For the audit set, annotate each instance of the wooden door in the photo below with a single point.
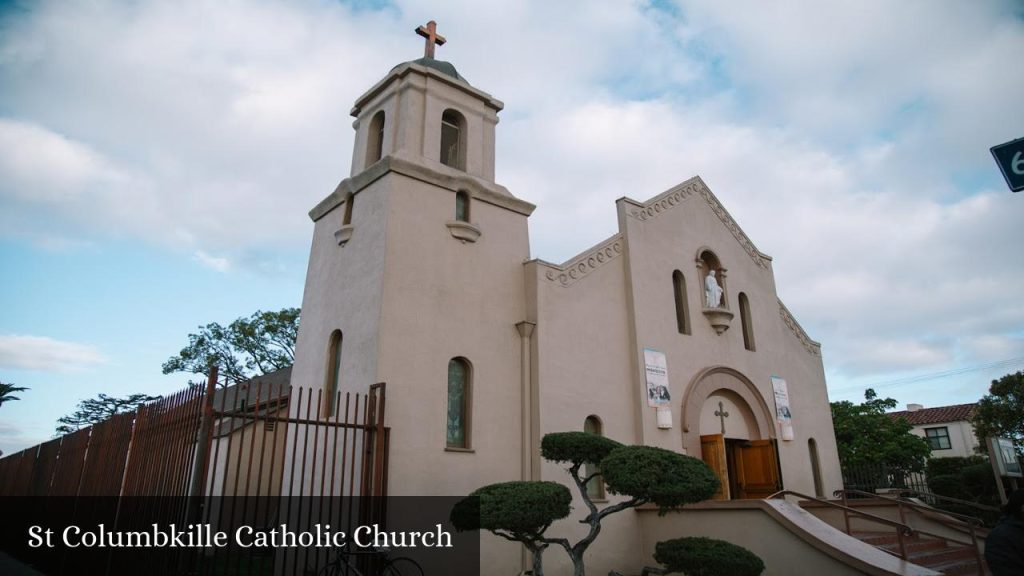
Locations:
(712, 451)
(757, 469)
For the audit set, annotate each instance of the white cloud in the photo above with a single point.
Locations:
(849, 140)
(19, 352)
(220, 264)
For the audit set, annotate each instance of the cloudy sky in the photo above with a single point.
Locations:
(157, 160)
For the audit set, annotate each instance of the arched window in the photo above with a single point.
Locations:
(453, 139)
(375, 139)
(682, 309)
(748, 326)
(459, 389)
(595, 487)
(462, 206)
(812, 448)
(350, 199)
(333, 380)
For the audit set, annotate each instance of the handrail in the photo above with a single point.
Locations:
(901, 528)
(962, 517)
(971, 522)
(980, 506)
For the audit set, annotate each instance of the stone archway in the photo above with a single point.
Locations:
(706, 383)
(742, 452)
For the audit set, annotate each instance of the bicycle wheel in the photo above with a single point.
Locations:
(403, 567)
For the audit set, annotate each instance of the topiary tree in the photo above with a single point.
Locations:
(698, 556)
(643, 473)
(517, 511)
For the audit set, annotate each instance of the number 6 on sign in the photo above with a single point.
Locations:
(1010, 158)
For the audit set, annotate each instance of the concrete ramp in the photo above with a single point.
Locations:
(789, 540)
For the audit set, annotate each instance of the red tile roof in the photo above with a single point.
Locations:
(955, 413)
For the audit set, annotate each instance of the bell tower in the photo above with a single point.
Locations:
(416, 279)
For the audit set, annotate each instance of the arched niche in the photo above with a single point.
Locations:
(717, 313)
(707, 261)
(714, 380)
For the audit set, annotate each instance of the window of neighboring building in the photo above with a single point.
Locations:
(375, 139)
(459, 383)
(746, 322)
(333, 381)
(938, 438)
(462, 206)
(682, 309)
(453, 149)
(595, 487)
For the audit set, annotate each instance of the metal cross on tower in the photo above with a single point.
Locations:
(430, 33)
(722, 415)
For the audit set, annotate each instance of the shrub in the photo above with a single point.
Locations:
(576, 447)
(513, 507)
(657, 475)
(698, 556)
(948, 485)
(951, 465)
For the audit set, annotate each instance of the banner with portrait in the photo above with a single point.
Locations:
(656, 372)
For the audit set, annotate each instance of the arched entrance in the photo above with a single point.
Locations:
(725, 411)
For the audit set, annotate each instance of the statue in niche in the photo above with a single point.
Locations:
(712, 291)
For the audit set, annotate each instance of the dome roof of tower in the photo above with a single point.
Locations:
(441, 66)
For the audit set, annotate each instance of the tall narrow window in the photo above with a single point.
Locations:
(812, 448)
(375, 139)
(682, 309)
(748, 326)
(595, 487)
(459, 387)
(333, 381)
(350, 199)
(453, 151)
(462, 206)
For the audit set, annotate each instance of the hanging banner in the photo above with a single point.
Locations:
(782, 413)
(656, 370)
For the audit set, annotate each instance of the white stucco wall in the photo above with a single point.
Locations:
(962, 441)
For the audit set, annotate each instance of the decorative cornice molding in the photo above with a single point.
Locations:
(666, 200)
(441, 176)
(575, 269)
(675, 196)
(787, 317)
(402, 72)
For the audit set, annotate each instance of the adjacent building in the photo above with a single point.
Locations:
(947, 429)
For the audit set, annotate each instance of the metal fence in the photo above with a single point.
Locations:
(881, 477)
(254, 453)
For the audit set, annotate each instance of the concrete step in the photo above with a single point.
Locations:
(935, 553)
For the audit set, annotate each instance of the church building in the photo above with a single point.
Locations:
(668, 333)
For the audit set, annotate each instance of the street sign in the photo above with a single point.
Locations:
(1010, 158)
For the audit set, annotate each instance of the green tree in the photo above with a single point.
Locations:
(96, 410)
(248, 347)
(866, 436)
(7, 392)
(523, 511)
(1001, 411)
